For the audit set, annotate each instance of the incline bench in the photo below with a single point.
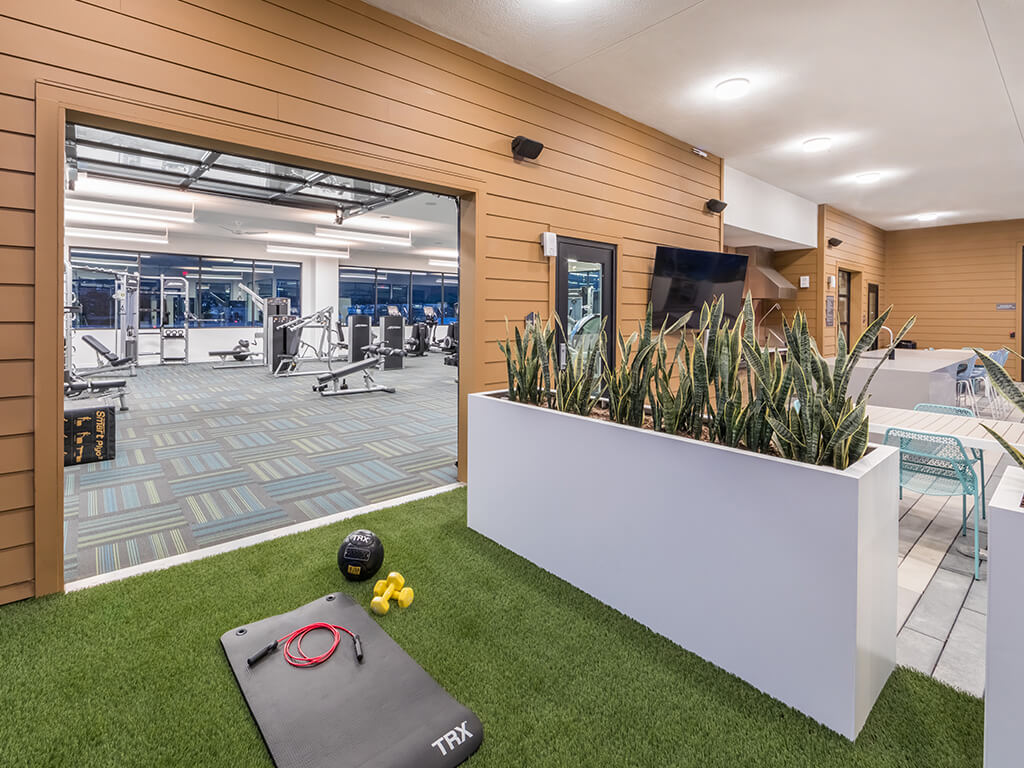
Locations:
(107, 360)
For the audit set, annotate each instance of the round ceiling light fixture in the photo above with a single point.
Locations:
(927, 216)
(868, 178)
(734, 88)
(818, 144)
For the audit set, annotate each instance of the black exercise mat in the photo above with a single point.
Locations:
(384, 713)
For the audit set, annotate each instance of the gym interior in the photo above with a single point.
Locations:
(248, 345)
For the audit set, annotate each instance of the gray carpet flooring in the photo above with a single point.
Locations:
(205, 456)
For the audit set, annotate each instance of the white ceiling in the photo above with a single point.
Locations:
(928, 92)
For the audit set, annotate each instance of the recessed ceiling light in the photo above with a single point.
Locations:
(927, 216)
(818, 144)
(736, 88)
(868, 178)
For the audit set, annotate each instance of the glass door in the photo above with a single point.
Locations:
(843, 304)
(584, 298)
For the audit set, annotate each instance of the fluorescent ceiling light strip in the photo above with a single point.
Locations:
(296, 251)
(75, 261)
(113, 234)
(442, 263)
(131, 211)
(126, 189)
(336, 233)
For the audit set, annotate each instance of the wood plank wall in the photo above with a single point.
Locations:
(340, 74)
(862, 252)
(952, 278)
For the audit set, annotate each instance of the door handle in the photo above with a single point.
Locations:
(561, 356)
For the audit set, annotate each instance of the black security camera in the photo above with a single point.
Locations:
(715, 206)
(523, 147)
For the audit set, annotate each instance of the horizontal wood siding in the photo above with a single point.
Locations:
(349, 79)
(952, 278)
(862, 253)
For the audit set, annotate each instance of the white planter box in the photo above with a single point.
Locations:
(779, 572)
(1004, 640)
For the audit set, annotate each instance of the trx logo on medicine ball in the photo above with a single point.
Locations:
(458, 735)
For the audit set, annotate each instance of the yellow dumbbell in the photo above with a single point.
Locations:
(393, 587)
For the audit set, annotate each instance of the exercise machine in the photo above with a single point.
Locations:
(335, 380)
(76, 386)
(418, 343)
(243, 353)
(360, 336)
(126, 295)
(392, 336)
(297, 350)
(173, 321)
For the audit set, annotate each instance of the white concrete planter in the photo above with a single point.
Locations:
(779, 572)
(1004, 639)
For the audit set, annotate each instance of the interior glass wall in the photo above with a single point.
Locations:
(215, 298)
(363, 290)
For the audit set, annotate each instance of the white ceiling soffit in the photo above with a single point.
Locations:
(930, 93)
(737, 237)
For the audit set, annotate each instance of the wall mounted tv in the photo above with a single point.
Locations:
(684, 279)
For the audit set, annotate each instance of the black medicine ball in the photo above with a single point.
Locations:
(360, 555)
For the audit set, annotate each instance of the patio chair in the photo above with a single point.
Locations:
(937, 465)
(977, 453)
(980, 375)
(965, 382)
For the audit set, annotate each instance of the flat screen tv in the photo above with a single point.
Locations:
(684, 279)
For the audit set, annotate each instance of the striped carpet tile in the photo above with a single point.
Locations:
(142, 522)
(210, 482)
(228, 528)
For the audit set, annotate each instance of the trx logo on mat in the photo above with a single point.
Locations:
(452, 739)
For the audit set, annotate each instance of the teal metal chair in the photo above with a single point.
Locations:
(937, 465)
(979, 455)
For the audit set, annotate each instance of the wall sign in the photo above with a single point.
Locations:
(1009, 306)
(830, 311)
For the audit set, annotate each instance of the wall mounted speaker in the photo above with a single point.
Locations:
(834, 242)
(715, 206)
(523, 147)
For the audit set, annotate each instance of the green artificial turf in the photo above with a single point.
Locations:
(132, 673)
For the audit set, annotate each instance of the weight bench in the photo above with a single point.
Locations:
(243, 355)
(107, 360)
(336, 379)
(78, 386)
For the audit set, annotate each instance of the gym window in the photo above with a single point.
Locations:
(368, 291)
(214, 296)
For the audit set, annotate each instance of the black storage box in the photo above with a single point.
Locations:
(906, 344)
(89, 431)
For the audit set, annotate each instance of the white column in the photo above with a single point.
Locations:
(1004, 644)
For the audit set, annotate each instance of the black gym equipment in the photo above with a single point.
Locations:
(336, 379)
(450, 344)
(384, 711)
(418, 342)
(360, 555)
(360, 336)
(392, 335)
(242, 353)
(102, 351)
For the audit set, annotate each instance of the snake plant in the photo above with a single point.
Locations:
(769, 382)
(526, 363)
(821, 424)
(1007, 388)
(579, 384)
(629, 381)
